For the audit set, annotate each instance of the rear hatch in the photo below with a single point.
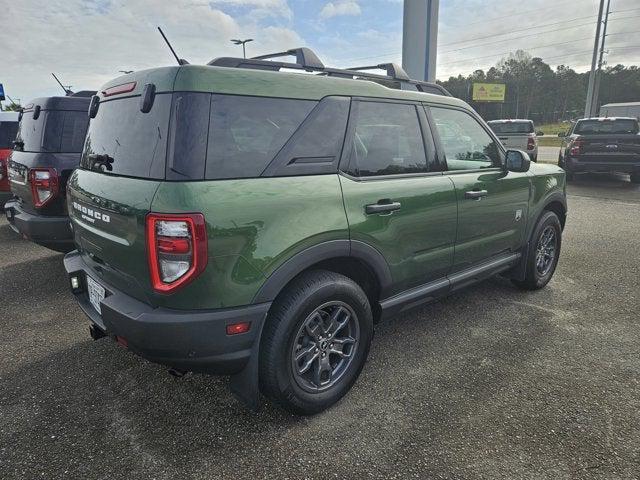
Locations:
(49, 141)
(122, 165)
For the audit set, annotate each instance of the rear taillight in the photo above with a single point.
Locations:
(177, 249)
(576, 148)
(531, 143)
(3, 169)
(44, 185)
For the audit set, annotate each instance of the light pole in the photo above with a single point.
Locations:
(242, 42)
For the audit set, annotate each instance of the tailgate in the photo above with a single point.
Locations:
(518, 142)
(620, 148)
(108, 218)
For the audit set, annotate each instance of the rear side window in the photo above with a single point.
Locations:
(387, 140)
(74, 129)
(245, 133)
(8, 131)
(53, 131)
(132, 143)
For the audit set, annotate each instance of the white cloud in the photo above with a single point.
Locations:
(338, 8)
(87, 43)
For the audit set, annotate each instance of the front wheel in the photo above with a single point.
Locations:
(315, 342)
(544, 252)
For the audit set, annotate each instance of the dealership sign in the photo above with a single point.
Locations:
(488, 92)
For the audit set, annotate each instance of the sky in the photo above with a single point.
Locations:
(86, 42)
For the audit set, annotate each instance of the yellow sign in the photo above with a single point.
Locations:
(488, 92)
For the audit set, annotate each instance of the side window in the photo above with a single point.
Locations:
(73, 131)
(387, 140)
(245, 133)
(466, 144)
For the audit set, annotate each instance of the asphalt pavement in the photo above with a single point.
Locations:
(491, 382)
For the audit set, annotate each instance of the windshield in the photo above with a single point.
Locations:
(604, 127)
(53, 131)
(504, 128)
(8, 131)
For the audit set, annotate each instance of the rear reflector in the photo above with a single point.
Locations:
(237, 328)
(176, 249)
(118, 89)
(44, 185)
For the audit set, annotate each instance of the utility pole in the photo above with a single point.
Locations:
(592, 75)
(596, 88)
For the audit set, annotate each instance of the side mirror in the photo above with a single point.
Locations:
(562, 134)
(517, 161)
(540, 133)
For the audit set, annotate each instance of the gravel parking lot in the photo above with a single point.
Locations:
(488, 383)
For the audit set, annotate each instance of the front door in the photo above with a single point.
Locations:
(395, 197)
(492, 203)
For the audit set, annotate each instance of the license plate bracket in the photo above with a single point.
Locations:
(96, 293)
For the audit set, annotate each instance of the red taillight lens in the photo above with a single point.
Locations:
(177, 249)
(44, 185)
(576, 148)
(531, 143)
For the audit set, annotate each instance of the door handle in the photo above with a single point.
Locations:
(475, 194)
(386, 207)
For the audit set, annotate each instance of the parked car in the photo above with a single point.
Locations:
(8, 130)
(517, 134)
(627, 109)
(47, 149)
(602, 144)
(236, 219)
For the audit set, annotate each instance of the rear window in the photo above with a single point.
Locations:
(506, 128)
(56, 131)
(8, 131)
(604, 127)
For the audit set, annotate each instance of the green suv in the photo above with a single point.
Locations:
(236, 219)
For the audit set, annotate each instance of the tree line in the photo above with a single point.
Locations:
(537, 92)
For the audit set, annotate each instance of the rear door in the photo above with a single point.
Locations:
(395, 197)
(492, 203)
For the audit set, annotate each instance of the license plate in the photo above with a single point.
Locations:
(96, 293)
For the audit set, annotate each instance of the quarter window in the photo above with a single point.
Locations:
(387, 140)
(466, 144)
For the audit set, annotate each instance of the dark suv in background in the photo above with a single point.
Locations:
(47, 149)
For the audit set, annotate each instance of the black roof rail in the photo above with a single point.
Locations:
(307, 60)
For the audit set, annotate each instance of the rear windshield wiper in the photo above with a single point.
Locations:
(100, 162)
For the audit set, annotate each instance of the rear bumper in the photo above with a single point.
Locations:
(190, 340)
(50, 232)
(573, 164)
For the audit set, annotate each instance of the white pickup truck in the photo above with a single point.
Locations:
(517, 134)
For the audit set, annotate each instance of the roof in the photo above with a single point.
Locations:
(510, 120)
(624, 104)
(80, 103)
(265, 83)
(603, 119)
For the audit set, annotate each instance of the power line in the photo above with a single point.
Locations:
(514, 14)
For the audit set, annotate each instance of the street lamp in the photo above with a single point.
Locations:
(242, 42)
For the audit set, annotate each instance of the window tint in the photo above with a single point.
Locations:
(387, 140)
(245, 133)
(467, 146)
(73, 131)
(187, 149)
(505, 128)
(8, 131)
(604, 127)
(132, 142)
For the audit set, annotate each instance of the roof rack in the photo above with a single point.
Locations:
(307, 60)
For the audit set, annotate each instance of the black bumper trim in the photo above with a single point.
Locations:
(41, 229)
(193, 340)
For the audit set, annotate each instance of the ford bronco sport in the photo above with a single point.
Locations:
(236, 219)
(46, 150)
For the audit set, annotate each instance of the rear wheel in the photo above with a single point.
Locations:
(544, 252)
(315, 342)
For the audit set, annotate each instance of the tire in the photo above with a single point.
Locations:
(534, 158)
(536, 277)
(635, 177)
(284, 335)
(570, 175)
